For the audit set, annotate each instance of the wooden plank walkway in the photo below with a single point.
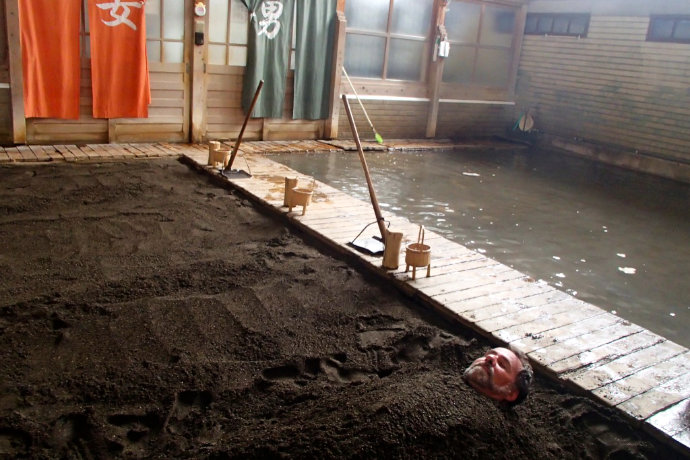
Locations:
(623, 365)
(86, 152)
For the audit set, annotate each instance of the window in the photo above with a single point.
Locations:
(481, 44)
(227, 32)
(573, 24)
(388, 39)
(165, 30)
(669, 29)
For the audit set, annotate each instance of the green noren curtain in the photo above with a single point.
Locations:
(315, 26)
(267, 55)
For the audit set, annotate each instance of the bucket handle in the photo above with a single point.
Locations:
(420, 236)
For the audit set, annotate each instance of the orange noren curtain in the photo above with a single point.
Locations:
(49, 35)
(119, 66)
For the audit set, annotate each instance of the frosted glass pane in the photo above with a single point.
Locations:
(458, 65)
(462, 21)
(218, 21)
(173, 19)
(364, 55)
(497, 26)
(216, 54)
(153, 51)
(173, 51)
(493, 66)
(238, 56)
(405, 60)
(367, 14)
(545, 24)
(682, 30)
(661, 29)
(85, 6)
(153, 19)
(578, 25)
(560, 25)
(412, 17)
(239, 20)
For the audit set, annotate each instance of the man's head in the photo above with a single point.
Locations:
(501, 374)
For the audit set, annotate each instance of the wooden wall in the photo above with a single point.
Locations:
(392, 119)
(224, 103)
(166, 122)
(459, 120)
(612, 88)
(225, 115)
(408, 119)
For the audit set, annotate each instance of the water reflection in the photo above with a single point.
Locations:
(611, 237)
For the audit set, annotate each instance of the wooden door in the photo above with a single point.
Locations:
(169, 37)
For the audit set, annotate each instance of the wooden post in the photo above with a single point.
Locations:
(331, 124)
(199, 82)
(435, 75)
(16, 72)
(517, 49)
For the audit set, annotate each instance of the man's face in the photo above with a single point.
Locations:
(494, 374)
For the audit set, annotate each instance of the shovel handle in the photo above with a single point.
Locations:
(244, 125)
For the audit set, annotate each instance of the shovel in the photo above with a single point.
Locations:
(373, 246)
(228, 171)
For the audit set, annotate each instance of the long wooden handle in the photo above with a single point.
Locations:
(358, 99)
(244, 125)
(372, 194)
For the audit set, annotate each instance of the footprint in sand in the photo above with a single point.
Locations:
(332, 368)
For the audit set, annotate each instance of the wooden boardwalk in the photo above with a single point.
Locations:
(623, 365)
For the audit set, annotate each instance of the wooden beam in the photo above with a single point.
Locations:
(16, 72)
(331, 124)
(199, 82)
(517, 49)
(435, 73)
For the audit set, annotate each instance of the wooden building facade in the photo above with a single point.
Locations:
(616, 89)
(598, 78)
(196, 90)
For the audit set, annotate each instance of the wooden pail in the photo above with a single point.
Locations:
(290, 183)
(300, 197)
(213, 146)
(418, 255)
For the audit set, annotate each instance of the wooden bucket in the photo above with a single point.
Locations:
(290, 183)
(300, 197)
(418, 254)
(213, 146)
(391, 252)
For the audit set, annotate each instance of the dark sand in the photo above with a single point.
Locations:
(147, 313)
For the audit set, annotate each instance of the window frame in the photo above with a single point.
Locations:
(160, 41)
(389, 36)
(228, 44)
(475, 88)
(554, 17)
(676, 18)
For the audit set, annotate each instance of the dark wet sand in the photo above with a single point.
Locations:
(145, 312)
